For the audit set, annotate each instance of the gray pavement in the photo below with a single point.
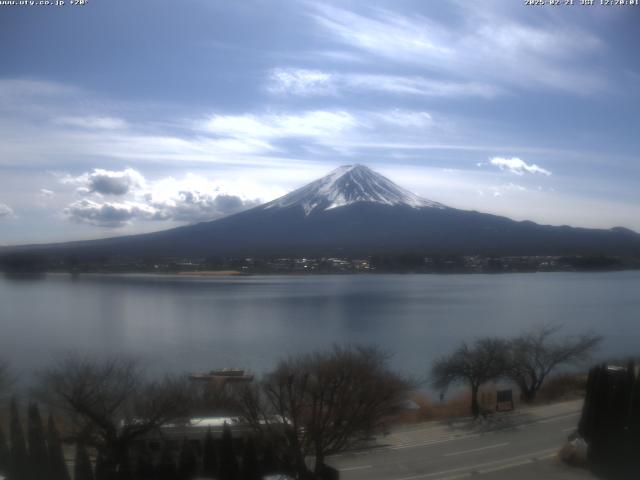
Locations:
(552, 469)
(521, 444)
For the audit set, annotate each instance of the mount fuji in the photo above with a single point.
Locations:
(354, 211)
(349, 185)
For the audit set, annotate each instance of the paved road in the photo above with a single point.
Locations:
(516, 445)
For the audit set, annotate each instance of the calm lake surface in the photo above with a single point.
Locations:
(192, 324)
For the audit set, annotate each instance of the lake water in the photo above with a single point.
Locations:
(192, 324)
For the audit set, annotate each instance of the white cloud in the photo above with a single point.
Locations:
(508, 189)
(168, 148)
(107, 214)
(17, 89)
(26, 106)
(518, 166)
(326, 133)
(189, 199)
(405, 118)
(415, 85)
(20, 97)
(5, 211)
(184, 206)
(107, 182)
(487, 44)
(312, 124)
(46, 193)
(514, 187)
(272, 139)
(341, 56)
(93, 122)
(386, 33)
(301, 82)
(196, 206)
(194, 198)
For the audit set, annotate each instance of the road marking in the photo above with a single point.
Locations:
(497, 469)
(359, 467)
(517, 413)
(510, 462)
(432, 442)
(517, 464)
(559, 417)
(500, 429)
(445, 439)
(497, 445)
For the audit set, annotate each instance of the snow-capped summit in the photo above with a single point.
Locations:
(347, 185)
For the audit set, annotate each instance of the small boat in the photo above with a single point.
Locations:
(223, 374)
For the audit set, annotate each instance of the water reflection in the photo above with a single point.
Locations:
(181, 323)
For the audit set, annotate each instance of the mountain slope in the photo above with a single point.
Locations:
(348, 185)
(354, 211)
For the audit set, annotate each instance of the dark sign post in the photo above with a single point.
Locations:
(504, 401)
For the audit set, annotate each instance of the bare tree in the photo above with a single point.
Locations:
(110, 403)
(6, 379)
(320, 404)
(535, 354)
(479, 363)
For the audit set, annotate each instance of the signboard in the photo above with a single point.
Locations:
(504, 401)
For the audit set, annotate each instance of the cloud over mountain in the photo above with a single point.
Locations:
(195, 206)
(190, 199)
(106, 214)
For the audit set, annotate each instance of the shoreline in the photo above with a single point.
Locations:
(238, 273)
(207, 273)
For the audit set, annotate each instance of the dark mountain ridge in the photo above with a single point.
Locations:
(355, 212)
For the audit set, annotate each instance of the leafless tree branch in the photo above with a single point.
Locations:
(323, 403)
(110, 403)
(484, 360)
(536, 353)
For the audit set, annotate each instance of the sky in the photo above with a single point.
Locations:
(120, 117)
